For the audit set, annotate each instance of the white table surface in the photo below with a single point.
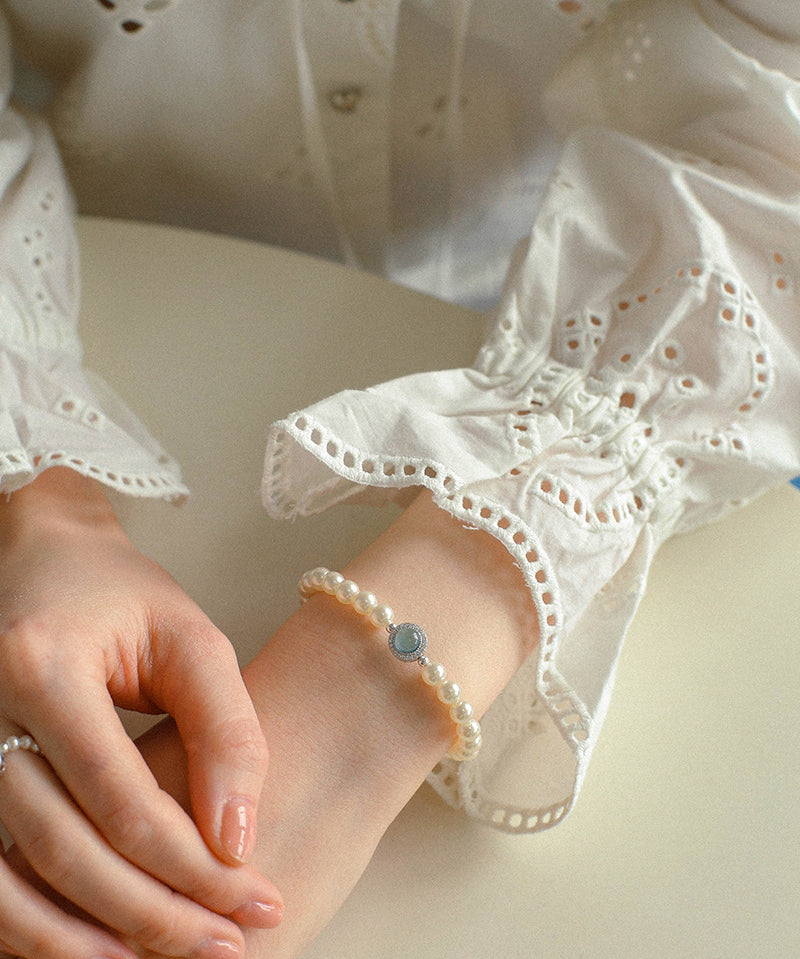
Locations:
(685, 841)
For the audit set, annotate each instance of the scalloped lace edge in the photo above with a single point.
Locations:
(458, 784)
(18, 468)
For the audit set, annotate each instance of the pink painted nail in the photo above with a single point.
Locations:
(238, 832)
(216, 949)
(259, 915)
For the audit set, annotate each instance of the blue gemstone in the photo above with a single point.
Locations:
(406, 640)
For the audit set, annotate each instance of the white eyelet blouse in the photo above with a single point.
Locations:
(619, 182)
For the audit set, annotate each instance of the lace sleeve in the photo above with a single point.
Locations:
(642, 377)
(53, 412)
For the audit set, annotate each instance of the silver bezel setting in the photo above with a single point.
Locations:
(412, 656)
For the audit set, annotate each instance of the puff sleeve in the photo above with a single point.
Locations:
(52, 411)
(642, 375)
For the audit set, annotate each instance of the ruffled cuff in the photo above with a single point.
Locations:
(57, 414)
(581, 476)
(515, 473)
(53, 413)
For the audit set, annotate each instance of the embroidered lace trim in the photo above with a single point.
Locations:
(18, 468)
(560, 702)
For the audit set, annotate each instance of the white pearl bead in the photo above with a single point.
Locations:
(35, 748)
(13, 743)
(471, 750)
(381, 615)
(365, 602)
(3, 749)
(330, 582)
(468, 740)
(449, 693)
(434, 674)
(25, 742)
(469, 731)
(462, 712)
(346, 591)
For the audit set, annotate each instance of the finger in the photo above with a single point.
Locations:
(226, 750)
(34, 928)
(16, 861)
(54, 836)
(105, 774)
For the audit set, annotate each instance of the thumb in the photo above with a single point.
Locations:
(201, 687)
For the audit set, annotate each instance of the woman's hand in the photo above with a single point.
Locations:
(352, 731)
(86, 622)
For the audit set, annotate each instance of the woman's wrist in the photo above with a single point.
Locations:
(373, 715)
(462, 586)
(58, 495)
(378, 730)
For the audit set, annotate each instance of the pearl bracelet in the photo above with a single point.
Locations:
(408, 642)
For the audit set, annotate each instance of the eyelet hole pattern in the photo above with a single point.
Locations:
(511, 819)
(161, 485)
(38, 251)
(784, 273)
(74, 408)
(370, 470)
(579, 337)
(523, 546)
(132, 16)
(628, 507)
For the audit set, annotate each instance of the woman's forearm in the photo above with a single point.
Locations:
(352, 731)
(462, 587)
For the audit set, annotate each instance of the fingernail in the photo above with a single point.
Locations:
(216, 949)
(259, 915)
(238, 832)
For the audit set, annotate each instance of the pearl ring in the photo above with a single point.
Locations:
(14, 744)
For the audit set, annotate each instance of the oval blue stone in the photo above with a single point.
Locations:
(407, 640)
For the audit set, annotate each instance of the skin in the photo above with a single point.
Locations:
(352, 731)
(86, 622)
(330, 792)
